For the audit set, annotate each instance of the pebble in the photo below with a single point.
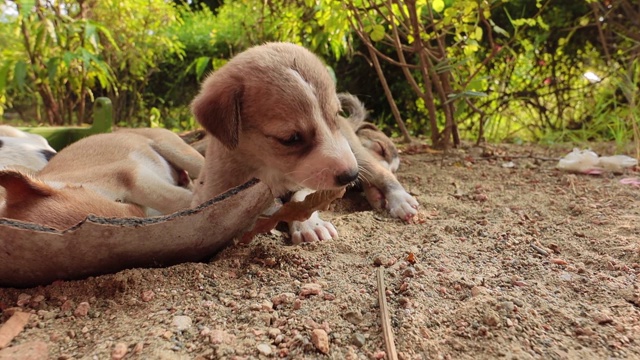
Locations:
(358, 339)
(218, 336)
(354, 317)
(23, 299)
(147, 295)
(182, 322)
(82, 309)
(320, 340)
(478, 290)
(273, 332)
(265, 349)
(284, 298)
(119, 351)
(491, 319)
(310, 289)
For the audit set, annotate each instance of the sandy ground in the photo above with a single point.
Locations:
(514, 263)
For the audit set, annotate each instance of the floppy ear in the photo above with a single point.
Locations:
(367, 125)
(217, 108)
(22, 187)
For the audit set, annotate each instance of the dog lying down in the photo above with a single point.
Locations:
(24, 150)
(129, 173)
(272, 112)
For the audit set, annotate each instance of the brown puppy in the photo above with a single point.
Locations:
(384, 151)
(272, 113)
(382, 188)
(133, 172)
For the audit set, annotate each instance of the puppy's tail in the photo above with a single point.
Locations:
(354, 107)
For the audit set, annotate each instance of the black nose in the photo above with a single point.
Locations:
(48, 154)
(347, 177)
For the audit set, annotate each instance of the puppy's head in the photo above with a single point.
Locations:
(24, 152)
(274, 108)
(380, 145)
(29, 199)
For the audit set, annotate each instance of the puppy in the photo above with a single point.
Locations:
(272, 114)
(129, 173)
(18, 148)
(384, 151)
(378, 159)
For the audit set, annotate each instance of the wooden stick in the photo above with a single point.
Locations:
(387, 331)
(540, 250)
(13, 327)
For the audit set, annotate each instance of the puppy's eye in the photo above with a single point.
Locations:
(292, 140)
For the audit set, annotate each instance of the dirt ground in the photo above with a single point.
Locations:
(502, 262)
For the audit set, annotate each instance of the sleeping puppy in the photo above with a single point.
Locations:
(272, 113)
(377, 159)
(380, 147)
(18, 148)
(129, 173)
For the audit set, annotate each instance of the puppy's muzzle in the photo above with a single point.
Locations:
(346, 177)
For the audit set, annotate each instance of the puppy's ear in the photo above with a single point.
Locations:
(367, 126)
(217, 108)
(22, 187)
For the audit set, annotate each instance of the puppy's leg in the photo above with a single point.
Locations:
(151, 191)
(180, 154)
(312, 229)
(399, 203)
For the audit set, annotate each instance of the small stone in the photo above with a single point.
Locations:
(380, 260)
(265, 349)
(320, 340)
(218, 336)
(491, 319)
(310, 289)
(147, 295)
(82, 309)
(138, 348)
(182, 322)
(478, 290)
(603, 319)
(274, 332)
(23, 299)
(66, 306)
(354, 317)
(119, 351)
(267, 306)
(358, 340)
(284, 298)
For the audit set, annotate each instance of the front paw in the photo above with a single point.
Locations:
(374, 196)
(312, 229)
(401, 204)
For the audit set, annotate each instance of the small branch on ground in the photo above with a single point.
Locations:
(384, 317)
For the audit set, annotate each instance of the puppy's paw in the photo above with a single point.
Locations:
(374, 196)
(312, 229)
(401, 204)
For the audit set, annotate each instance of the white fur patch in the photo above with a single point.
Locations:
(23, 152)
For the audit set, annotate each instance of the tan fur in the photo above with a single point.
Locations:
(272, 113)
(377, 158)
(130, 172)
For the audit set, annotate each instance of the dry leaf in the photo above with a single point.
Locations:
(293, 211)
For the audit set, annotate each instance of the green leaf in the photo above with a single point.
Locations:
(377, 32)
(52, 68)
(4, 75)
(201, 65)
(438, 5)
(20, 73)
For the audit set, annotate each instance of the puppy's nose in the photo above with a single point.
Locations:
(346, 177)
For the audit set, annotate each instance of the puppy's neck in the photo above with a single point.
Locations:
(230, 172)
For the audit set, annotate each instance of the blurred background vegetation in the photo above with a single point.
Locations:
(492, 70)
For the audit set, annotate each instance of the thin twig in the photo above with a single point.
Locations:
(540, 250)
(384, 317)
